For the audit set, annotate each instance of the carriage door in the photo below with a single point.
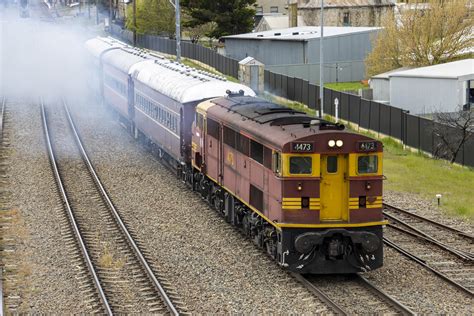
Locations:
(334, 188)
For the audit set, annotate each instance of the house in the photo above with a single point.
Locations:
(345, 12)
(295, 51)
(438, 88)
(275, 22)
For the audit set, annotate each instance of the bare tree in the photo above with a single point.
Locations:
(422, 34)
(453, 130)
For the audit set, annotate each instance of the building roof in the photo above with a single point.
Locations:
(316, 4)
(387, 74)
(303, 33)
(275, 22)
(461, 69)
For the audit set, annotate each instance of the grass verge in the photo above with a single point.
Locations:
(344, 86)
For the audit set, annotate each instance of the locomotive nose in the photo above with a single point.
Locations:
(304, 243)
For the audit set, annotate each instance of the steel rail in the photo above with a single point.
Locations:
(420, 234)
(70, 214)
(454, 230)
(320, 294)
(423, 263)
(460, 254)
(2, 114)
(398, 305)
(117, 217)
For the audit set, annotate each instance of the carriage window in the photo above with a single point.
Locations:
(243, 144)
(256, 151)
(213, 128)
(367, 164)
(200, 121)
(301, 165)
(332, 164)
(267, 157)
(229, 137)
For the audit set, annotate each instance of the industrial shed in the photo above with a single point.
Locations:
(295, 51)
(438, 88)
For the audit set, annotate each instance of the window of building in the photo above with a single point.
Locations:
(259, 10)
(346, 21)
(256, 151)
(367, 164)
(301, 165)
(273, 9)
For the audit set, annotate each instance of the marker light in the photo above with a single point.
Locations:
(331, 143)
(197, 134)
(339, 143)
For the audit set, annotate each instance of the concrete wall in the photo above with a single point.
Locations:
(425, 95)
(358, 16)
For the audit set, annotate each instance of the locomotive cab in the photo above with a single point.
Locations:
(304, 189)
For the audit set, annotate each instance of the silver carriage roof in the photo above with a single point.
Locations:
(178, 81)
(182, 83)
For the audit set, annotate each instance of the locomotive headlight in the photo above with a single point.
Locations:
(339, 143)
(197, 134)
(331, 143)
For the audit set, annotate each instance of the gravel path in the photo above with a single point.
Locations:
(214, 268)
(46, 273)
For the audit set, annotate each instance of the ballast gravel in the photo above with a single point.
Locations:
(44, 268)
(213, 268)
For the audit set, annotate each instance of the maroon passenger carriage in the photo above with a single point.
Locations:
(305, 190)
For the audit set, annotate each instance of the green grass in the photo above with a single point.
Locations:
(191, 63)
(344, 86)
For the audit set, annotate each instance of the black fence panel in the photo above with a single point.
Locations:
(469, 153)
(305, 98)
(426, 135)
(343, 107)
(284, 87)
(271, 81)
(412, 128)
(298, 90)
(313, 96)
(327, 100)
(278, 86)
(396, 123)
(354, 109)
(364, 113)
(266, 80)
(291, 88)
(374, 121)
(384, 119)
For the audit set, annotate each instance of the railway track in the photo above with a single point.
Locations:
(442, 249)
(4, 102)
(122, 278)
(352, 294)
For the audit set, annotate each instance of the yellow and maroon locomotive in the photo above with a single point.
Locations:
(304, 189)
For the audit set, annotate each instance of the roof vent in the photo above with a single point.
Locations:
(277, 34)
(296, 33)
(260, 35)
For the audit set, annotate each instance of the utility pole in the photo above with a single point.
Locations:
(178, 29)
(110, 14)
(134, 22)
(89, 9)
(321, 60)
(97, 12)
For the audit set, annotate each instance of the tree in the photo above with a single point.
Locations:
(230, 16)
(425, 34)
(199, 31)
(454, 130)
(154, 17)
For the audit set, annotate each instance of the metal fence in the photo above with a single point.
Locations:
(413, 131)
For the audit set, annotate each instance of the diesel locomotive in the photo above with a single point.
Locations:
(304, 189)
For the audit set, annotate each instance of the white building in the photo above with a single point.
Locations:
(438, 88)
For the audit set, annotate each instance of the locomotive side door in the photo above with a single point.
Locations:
(334, 188)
